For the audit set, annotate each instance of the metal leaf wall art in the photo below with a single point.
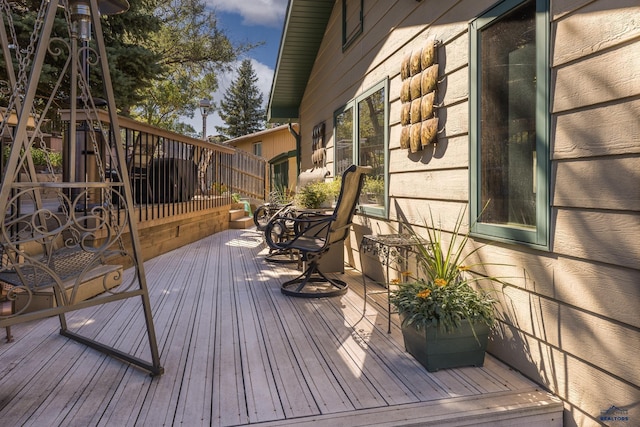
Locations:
(419, 74)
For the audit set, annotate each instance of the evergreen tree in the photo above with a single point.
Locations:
(132, 65)
(193, 51)
(164, 57)
(241, 109)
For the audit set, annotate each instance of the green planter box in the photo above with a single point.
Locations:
(436, 350)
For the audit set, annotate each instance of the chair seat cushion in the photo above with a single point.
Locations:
(308, 244)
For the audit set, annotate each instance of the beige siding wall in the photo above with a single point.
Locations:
(569, 318)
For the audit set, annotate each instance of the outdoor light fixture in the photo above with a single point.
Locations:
(205, 108)
(81, 20)
(81, 14)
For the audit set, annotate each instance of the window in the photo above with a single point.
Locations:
(361, 137)
(351, 21)
(509, 100)
(280, 177)
(279, 172)
(257, 149)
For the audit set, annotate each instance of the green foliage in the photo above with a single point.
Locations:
(39, 156)
(218, 188)
(424, 303)
(313, 195)
(373, 185)
(193, 51)
(442, 295)
(333, 187)
(163, 56)
(241, 109)
(280, 195)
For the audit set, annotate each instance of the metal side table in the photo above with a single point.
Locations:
(390, 248)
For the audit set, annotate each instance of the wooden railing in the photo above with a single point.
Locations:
(173, 174)
(180, 185)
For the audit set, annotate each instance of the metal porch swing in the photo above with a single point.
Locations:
(64, 243)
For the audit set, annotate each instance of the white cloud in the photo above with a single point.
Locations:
(255, 12)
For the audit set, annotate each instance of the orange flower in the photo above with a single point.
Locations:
(424, 294)
(464, 268)
(440, 282)
(395, 281)
(406, 273)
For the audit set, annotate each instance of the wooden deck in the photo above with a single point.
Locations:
(238, 352)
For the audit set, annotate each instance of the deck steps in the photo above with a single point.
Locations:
(239, 218)
(524, 408)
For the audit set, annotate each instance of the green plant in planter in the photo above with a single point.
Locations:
(442, 295)
(445, 321)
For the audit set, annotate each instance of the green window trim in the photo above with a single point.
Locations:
(536, 236)
(283, 157)
(355, 147)
(350, 32)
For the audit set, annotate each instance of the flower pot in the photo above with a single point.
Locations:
(435, 349)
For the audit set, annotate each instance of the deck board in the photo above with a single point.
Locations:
(236, 351)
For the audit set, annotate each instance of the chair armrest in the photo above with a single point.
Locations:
(300, 230)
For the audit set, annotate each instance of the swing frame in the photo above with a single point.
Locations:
(19, 230)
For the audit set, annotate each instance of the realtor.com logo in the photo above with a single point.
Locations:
(614, 414)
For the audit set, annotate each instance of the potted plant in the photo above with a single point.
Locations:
(445, 321)
(317, 194)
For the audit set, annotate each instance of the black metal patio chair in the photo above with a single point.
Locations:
(314, 234)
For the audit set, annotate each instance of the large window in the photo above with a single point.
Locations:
(509, 122)
(361, 137)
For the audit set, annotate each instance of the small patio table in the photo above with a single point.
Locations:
(389, 248)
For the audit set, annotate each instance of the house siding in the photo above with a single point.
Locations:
(569, 316)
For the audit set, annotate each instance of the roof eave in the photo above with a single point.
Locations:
(304, 27)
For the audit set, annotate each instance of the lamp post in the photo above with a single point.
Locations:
(205, 107)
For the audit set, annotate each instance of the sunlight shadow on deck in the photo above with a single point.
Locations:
(247, 240)
(237, 352)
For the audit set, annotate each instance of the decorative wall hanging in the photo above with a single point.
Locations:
(415, 110)
(416, 141)
(405, 137)
(419, 74)
(405, 91)
(405, 114)
(317, 145)
(405, 72)
(415, 66)
(426, 104)
(416, 87)
(428, 131)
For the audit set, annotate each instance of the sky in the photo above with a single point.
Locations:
(250, 21)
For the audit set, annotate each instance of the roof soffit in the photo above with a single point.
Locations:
(303, 31)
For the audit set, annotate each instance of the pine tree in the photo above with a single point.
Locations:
(241, 109)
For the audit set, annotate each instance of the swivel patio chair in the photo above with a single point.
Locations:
(278, 233)
(313, 235)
